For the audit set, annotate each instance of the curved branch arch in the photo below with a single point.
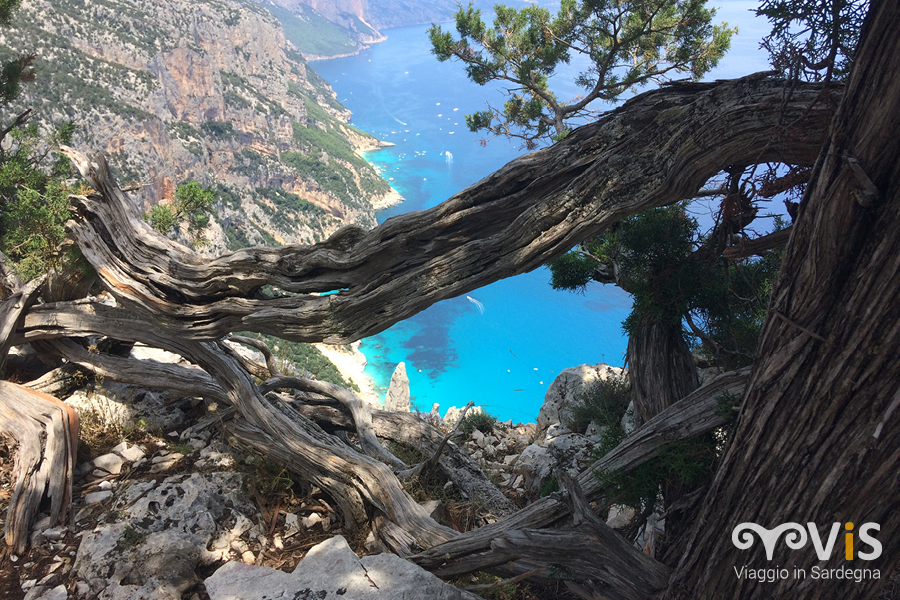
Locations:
(658, 148)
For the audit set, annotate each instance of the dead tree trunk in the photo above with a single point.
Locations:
(818, 439)
(527, 213)
(45, 434)
(532, 210)
(692, 416)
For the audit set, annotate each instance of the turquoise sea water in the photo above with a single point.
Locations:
(505, 356)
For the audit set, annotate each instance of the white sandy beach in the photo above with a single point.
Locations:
(351, 365)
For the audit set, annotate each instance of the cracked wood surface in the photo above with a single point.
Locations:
(658, 148)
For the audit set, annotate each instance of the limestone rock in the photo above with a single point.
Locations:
(209, 92)
(153, 547)
(628, 419)
(478, 438)
(111, 463)
(126, 406)
(41, 592)
(453, 414)
(97, 497)
(142, 352)
(397, 399)
(535, 465)
(332, 570)
(129, 453)
(215, 456)
(572, 452)
(565, 390)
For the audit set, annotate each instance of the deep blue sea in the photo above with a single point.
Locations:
(501, 345)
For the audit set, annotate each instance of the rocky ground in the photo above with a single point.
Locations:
(167, 511)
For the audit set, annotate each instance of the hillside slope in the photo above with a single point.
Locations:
(208, 90)
(325, 28)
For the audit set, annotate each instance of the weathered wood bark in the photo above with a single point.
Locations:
(9, 281)
(355, 480)
(426, 465)
(45, 432)
(592, 555)
(758, 246)
(58, 382)
(179, 379)
(194, 382)
(408, 430)
(661, 368)
(359, 411)
(324, 461)
(689, 417)
(456, 464)
(818, 438)
(658, 148)
(271, 363)
(11, 310)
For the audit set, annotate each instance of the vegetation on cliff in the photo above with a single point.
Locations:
(626, 45)
(817, 432)
(210, 92)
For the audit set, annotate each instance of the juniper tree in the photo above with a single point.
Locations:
(627, 44)
(33, 192)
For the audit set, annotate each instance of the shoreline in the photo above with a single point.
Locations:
(392, 198)
(351, 363)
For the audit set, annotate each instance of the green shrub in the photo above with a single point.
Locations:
(305, 357)
(192, 203)
(604, 401)
(34, 199)
(481, 421)
(222, 130)
(687, 462)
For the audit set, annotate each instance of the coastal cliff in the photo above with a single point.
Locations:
(325, 29)
(208, 91)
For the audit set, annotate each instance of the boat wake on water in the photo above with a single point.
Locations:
(476, 303)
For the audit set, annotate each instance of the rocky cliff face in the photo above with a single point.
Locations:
(322, 28)
(208, 90)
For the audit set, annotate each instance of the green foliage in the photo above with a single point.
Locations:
(652, 250)
(270, 478)
(288, 201)
(654, 256)
(34, 204)
(326, 152)
(12, 74)
(550, 486)
(629, 44)
(685, 462)
(604, 402)
(7, 8)
(132, 537)
(813, 39)
(222, 130)
(726, 405)
(572, 271)
(730, 304)
(238, 89)
(481, 421)
(162, 218)
(236, 237)
(305, 357)
(192, 203)
(181, 448)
